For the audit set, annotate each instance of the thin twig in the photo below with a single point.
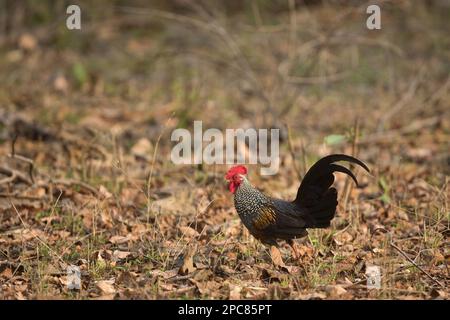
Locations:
(393, 245)
(348, 186)
(319, 79)
(37, 237)
(221, 32)
(292, 28)
(415, 264)
(291, 151)
(30, 162)
(406, 97)
(72, 182)
(389, 136)
(150, 176)
(53, 210)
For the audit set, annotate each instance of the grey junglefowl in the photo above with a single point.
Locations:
(270, 219)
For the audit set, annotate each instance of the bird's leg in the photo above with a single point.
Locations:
(292, 244)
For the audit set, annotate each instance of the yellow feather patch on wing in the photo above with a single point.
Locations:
(265, 217)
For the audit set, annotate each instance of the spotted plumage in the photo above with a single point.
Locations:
(254, 208)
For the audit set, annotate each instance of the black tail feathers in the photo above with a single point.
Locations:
(324, 211)
(315, 191)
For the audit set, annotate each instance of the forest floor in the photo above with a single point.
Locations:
(86, 177)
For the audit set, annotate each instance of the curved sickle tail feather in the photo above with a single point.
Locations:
(315, 191)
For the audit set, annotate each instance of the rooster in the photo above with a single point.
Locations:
(270, 219)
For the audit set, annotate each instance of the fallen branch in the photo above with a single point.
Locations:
(18, 196)
(13, 176)
(30, 162)
(71, 182)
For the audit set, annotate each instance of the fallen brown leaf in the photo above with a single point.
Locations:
(119, 239)
(106, 286)
(120, 255)
(189, 232)
(235, 292)
(188, 261)
(275, 254)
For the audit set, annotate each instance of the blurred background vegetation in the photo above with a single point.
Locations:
(93, 110)
(309, 67)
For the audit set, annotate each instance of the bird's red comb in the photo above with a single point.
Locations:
(234, 171)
